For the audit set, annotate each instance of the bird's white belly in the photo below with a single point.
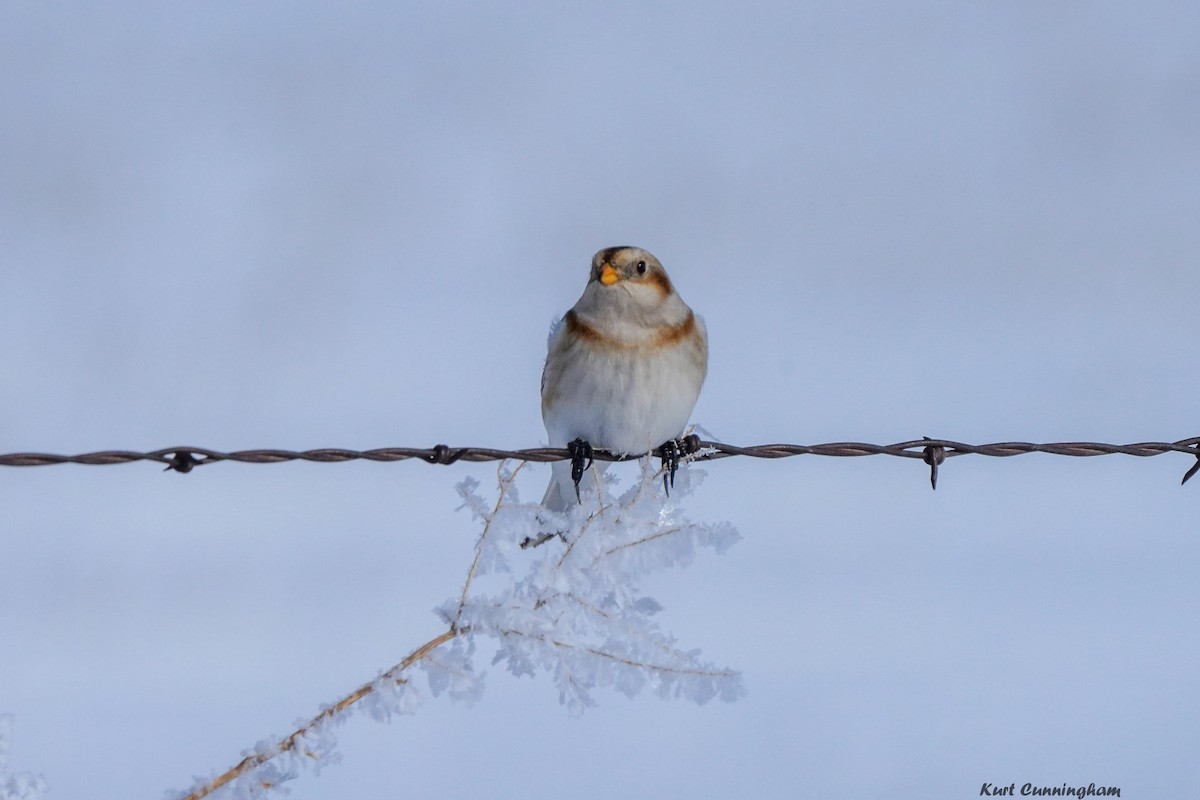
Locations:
(625, 401)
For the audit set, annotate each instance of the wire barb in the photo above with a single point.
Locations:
(182, 461)
(442, 454)
(1193, 469)
(933, 455)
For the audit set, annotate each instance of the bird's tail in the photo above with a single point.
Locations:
(561, 487)
(560, 494)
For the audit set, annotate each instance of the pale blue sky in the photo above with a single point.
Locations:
(288, 225)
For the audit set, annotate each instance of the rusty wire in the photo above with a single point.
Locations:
(933, 452)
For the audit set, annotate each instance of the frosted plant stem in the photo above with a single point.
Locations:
(293, 740)
(505, 484)
(644, 540)
(629, 662)
(593, 517)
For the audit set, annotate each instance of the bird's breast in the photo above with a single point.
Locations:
(622, 394)
(629, 337)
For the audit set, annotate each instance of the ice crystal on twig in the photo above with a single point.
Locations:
(574, 609)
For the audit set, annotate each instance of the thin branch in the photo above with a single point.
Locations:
(643, 540)
(587, 524)
(693, 671)
(291, 742)
(505, 485)
(633, 630)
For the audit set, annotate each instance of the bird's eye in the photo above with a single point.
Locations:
(641, 267)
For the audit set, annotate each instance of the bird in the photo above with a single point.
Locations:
(624, 367)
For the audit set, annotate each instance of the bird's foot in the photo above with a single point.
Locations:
(670, 452)
(581, 459)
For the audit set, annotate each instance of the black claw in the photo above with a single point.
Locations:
(670, 453)
(581, 459)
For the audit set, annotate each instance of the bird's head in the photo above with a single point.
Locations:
(633, 271)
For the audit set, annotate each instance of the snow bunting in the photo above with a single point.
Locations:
(624, 366)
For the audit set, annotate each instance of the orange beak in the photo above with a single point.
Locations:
(608, 275)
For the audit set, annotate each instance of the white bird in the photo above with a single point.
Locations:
(624, 367)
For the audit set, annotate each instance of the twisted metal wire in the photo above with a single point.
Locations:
(932, 451)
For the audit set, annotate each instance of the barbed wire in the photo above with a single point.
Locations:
(933, 452)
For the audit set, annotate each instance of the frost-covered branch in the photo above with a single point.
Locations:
(576, 610)
(506, 478)
(270, 764)
(570, 607)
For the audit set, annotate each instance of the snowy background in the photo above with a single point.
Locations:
(288, 225)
